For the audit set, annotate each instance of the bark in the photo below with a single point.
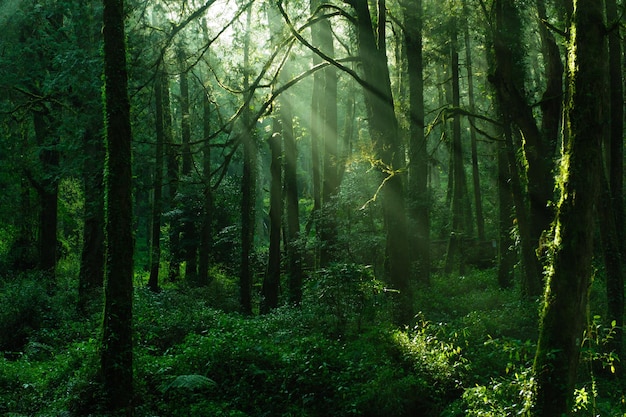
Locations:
(478, 205)
(317, 125)
(564, 315)
(332, 166)
(383, 127)
(271, 282)
(157, 203)
(460, 201)
(172, 172)
(91, 275)
(48, 191)
(417, 186)
(506, 256)
(189, 239)
(206, 233)
(508, 81)
(615, 279)
(248, 190)
(117, 347)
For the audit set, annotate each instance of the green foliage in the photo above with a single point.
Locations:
(345, 296)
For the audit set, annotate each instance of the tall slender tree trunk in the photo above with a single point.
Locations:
(206, 237)
(506, 255)
(317, 126)
(565, 304)
(117, 342)
(460, 201)
(172, 171)
(48, 190)
(189, 239)
(157, 203)
(417, 187)
(332, 164)
(615, 279)
(91, 275)
(478, 204)
(271, 282)
(248, 187)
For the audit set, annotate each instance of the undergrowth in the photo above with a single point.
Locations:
(468, 353)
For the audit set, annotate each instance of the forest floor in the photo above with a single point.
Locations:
(469, 353)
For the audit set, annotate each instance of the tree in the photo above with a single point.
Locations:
(461, 216)
(417, 187)
(117, 348)
(248, 184)
(389, 156)
(563, 318)
(157, 203)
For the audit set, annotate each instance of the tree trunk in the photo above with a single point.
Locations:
(332, 166)
(615, 281)
(417, 187)
(248, 188)
(157, 203)
(507, 80)
(172, 167)
(506, 256)
(91, 275)
(271, 282)
(206, 237)
(460, 199)
(48, 190)
(564, 315)
(117, 347)
(478, 204)
(189, 239)
(383, 127)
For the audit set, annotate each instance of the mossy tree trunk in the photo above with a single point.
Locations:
(615, 280)
(563, 318)
(117, 347)
(383, 127)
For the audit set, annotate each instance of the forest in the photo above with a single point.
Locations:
(312, 208)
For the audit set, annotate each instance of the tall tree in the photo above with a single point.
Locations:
(271, 281)
(564, 314)
(207, 207)
(383, 127)
(189, 240)
(248, 183)
(508, 80)
(117, 348)
(478, 204)
(331, 160)
(615, 162)
(461, 216)
(417, 187)
(157, 203)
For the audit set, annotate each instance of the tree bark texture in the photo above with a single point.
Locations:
(117, 344)
(417, 185)
(157, 203)
(563, 319)
(383, 127)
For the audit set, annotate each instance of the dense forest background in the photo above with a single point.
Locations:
(312, 208)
